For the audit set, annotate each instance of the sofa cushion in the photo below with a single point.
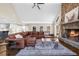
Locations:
(25, 34)
(12, 37)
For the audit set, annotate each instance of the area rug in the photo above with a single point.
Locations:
(45, 49)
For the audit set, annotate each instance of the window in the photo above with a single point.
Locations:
(34, 28)
(41, 28)
(4, 27)
(48, 28)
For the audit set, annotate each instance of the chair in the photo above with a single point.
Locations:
(31, 41)
(20, 43)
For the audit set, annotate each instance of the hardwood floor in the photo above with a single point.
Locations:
(12, 51)
(70, 47)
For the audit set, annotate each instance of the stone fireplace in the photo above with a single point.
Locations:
(72, 30)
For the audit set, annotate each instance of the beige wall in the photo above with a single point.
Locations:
(57, 25)
(38, 26)
(7, 13)
(14, 28)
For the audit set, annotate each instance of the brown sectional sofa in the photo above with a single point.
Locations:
(29, 38)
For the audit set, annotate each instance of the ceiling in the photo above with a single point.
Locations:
(46, 14)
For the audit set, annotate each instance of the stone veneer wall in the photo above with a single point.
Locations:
(66, 7)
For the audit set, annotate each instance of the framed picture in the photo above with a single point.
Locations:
(72, 15)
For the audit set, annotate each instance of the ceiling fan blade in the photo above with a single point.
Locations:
(38, 6)
(40, 3)
(34, 5)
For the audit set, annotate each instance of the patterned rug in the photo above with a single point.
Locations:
(45, 49)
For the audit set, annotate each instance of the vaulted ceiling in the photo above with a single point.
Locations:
(46, 14)
(24, 13)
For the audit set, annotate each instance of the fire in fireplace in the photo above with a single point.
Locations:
(73, 34)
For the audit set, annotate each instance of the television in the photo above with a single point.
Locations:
(3, 35)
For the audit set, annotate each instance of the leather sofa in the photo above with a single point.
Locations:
(29, 38)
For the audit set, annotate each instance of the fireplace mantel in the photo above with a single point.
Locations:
(71, 25)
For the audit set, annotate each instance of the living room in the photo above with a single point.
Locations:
(29, 29)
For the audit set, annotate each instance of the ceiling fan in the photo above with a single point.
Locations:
(37, 5)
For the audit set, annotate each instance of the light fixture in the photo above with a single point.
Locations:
(37, 5)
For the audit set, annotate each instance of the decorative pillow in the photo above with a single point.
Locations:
(12, 37)
(18, 36)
